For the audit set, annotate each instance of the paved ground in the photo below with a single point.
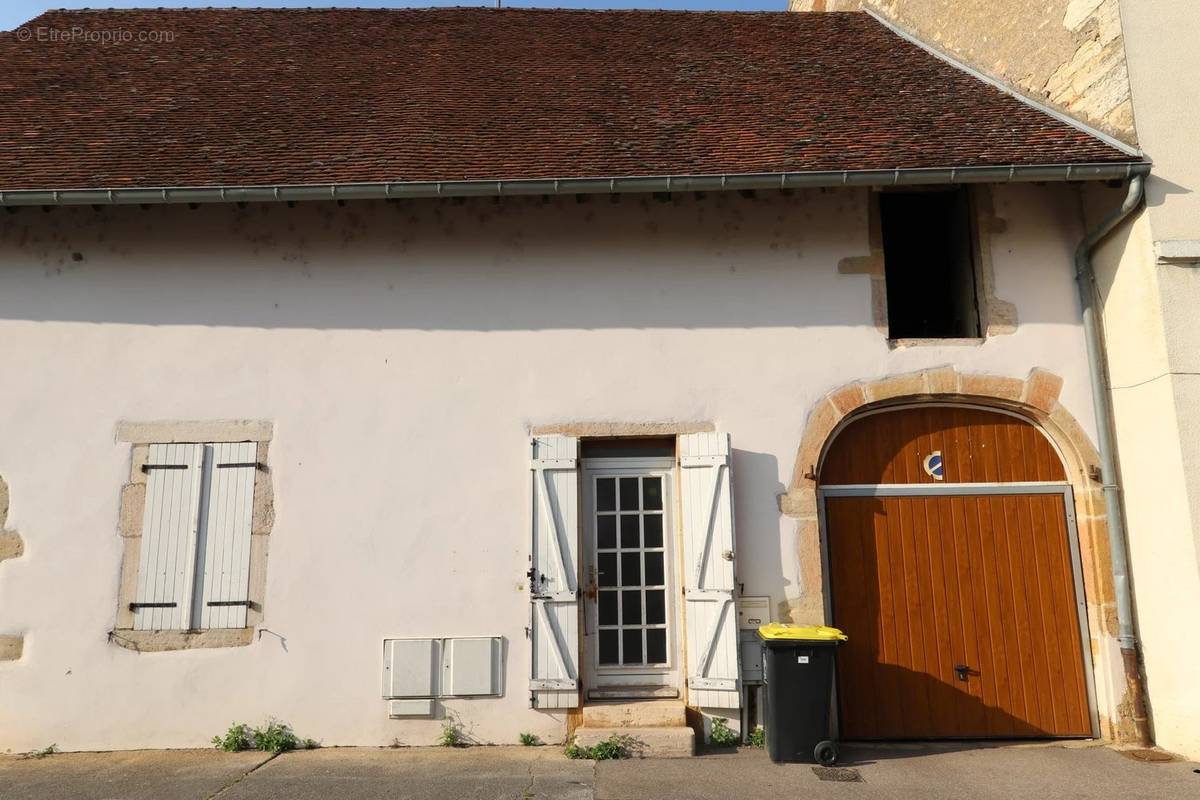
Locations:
(896, 772)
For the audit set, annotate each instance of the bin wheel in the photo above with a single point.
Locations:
(826, 753)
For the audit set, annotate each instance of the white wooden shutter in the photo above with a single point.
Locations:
(168, 549)
(221, 591)
(706, 500)
(554, 573)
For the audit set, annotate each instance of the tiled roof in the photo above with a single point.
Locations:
(252, 96)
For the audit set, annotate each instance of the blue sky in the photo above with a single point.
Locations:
(14, 12)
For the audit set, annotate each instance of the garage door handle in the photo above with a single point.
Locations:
(963, 670)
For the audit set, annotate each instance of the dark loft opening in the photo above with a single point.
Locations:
(929, 265)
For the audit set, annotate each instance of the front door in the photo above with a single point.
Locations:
(629, 610)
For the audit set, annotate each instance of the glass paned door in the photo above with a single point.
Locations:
(630, 573)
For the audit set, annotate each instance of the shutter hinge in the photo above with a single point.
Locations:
(245, 603)
(236, 464)
(147, 467)
(136, 606)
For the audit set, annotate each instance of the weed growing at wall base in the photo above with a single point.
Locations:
(721, 735)
(274, 737)
(48, 750)
(612, 748)
(758, 737)
(452, 735)
(235, 740)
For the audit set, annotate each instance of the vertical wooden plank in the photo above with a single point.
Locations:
(859, 658)
(1012, 600)
(944, 587)
(927, 538)
(1056, 595)
(969, 577)
(990, 628)
(1066, 620)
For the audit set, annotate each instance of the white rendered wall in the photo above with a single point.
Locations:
(402, 352)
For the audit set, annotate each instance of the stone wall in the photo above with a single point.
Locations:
(1069, 54)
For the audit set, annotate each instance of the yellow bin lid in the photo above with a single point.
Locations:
(777, 631)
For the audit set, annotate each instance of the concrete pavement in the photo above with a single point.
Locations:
(896, 772)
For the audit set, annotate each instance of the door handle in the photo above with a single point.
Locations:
(963, 671)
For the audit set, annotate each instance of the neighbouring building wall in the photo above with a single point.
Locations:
(1154, 355)
(401, 354)
(1066, 53)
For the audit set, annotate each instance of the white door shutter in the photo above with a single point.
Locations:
(554, 573)
(168, 547)
(706, 500)
(221, 591)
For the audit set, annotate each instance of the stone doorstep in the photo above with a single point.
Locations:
(674, 742)
(636, 714)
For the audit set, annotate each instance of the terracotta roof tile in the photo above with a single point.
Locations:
(253, 96)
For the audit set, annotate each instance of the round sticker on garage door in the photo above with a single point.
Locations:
(933, 465)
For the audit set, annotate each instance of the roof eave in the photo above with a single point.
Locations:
(564, 186)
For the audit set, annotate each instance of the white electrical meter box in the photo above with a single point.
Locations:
(471, 667)
(753, 612)
(432, 668)
(411, 667)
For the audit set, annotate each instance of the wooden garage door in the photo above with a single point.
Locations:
(929, 583)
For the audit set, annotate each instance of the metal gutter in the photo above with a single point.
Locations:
(560, 186)
(1067, 119)
(1085, 277)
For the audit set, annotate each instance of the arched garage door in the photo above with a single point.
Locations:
(953, 568)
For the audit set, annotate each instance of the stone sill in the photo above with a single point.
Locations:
(160, 641)
(901, 344)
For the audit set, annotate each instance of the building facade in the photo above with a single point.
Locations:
(394, 457)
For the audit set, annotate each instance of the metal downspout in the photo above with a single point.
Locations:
(1085, 278)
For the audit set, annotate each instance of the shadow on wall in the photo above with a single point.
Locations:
(756, 488)
(714, 261)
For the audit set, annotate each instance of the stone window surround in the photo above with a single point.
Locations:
(12, 645)
(140, 435)
(996, 317)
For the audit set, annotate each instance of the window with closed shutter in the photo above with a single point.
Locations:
(194, 564)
